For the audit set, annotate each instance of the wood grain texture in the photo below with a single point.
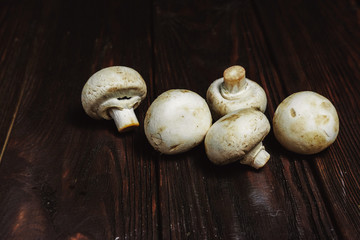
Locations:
(66, 176)
(197, 199)
(16, 42)
(315, 46)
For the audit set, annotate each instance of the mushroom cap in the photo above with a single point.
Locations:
(306, 123)
(252, 95)
(235, 134)
(177, 121)
(112, 87)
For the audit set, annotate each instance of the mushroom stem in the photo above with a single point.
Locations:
(257, 157)
(125, 119)
(234, 80)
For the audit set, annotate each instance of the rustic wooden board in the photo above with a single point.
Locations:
(315, 46)
(64, 175)
(197, 199)
(16, 41)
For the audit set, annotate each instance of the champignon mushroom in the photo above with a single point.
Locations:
(177, 121)
(238, 136)
(306, 123)
(114, 93)
(233, 92)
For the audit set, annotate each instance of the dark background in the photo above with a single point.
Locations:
(64, 175)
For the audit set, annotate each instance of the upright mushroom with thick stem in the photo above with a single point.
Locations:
(238, 136)
(233, 92)
(114, 93)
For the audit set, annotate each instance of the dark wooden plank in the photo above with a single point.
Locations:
(194, 42)
(64, 175)
(315, 46)
(15, 42)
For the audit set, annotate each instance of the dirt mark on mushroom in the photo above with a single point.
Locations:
(309, 129)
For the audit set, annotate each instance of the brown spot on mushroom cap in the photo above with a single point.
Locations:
(326, 105)
(298, 127)
(184, 90)
(293, 112)
(313, 142)
(231, 117)
(321, 119)
(309, 142)
(174, 147)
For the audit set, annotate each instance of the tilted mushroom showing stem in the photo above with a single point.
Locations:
(177, 121)
(114, 93)
(233, 92)
(238, 136)
(306, 123)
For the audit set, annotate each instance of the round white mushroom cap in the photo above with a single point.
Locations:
(177, 121)
(238, 136)
(113, 93)
(233, 92)
(306, 123)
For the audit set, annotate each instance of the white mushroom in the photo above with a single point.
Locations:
(114, 93)
(238, 136)
(177, 121)
(306, 123)
(234, 92)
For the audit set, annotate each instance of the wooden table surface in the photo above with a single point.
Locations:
(64, 175)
